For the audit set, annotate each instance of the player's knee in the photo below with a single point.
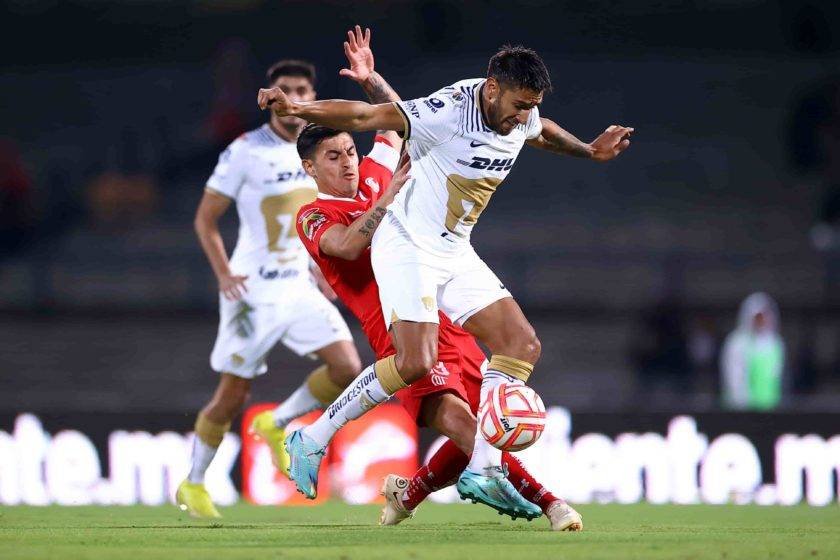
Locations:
(416, 364)
(523, 345)
(532, 347)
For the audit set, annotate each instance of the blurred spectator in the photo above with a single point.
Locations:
(233, 89)
(660, 351)
(17, 217)
(753, 357)
(116, 200)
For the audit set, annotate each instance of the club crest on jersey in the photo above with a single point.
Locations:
(488, 164)
(310, 221)
(371, 182)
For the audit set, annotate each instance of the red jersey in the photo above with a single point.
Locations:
(354, 282)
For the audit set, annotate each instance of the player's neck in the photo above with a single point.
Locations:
(330, 193)
(483, 103)
(289, 134)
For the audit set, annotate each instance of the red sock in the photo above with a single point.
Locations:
(441, 471)
(526, 484)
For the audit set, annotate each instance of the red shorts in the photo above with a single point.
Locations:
(460, 378)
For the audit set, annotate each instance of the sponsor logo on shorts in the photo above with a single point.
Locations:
(439, 374)
(428, 303)
(237, 360)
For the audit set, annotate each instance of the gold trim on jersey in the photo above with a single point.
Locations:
(467, 199)
(211, 190)
(286, 206)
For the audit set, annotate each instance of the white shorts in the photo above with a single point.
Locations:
(304, 323)
(414, 282)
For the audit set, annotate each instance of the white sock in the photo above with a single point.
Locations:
(299, 403)
(484, 455)
(364, 393)
(202, 456)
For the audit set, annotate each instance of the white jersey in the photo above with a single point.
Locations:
(457, 162)
(263, 174)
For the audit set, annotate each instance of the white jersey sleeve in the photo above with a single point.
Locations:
(229, 175)
(432, 120)
(533, 128)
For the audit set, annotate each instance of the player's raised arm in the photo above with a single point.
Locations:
(360, 56)
(605, 147)
(348, 242)
(356, 116)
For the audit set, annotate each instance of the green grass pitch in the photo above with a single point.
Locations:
(339, 531)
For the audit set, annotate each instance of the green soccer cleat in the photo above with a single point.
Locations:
(304, 462)
(194, 499)
(264, 427)
(496, 491)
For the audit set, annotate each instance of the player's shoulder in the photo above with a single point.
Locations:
(312, 216)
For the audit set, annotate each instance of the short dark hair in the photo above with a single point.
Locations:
(312, 135)
(290, 67)
(519, 67)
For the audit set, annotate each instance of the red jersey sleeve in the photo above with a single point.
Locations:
(313, 220)
(377, 168)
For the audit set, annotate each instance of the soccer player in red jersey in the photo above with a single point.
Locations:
(336, 229)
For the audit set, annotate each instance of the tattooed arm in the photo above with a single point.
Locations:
(360, 56)
(348, 242)
(608, 145)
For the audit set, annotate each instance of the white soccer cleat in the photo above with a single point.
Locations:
(394, 511)
(563, 517)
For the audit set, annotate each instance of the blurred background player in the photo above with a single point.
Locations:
(266, 291)
(463, 141)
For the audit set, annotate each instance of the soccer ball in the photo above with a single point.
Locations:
(512, 417)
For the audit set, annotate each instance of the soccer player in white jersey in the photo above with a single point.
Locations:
(463, 140)
(266, 291)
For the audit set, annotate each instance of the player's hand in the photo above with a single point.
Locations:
(233, 286)
(274, 98)
(611, 142)
(400, 177)
(359, 55)
(322, 283)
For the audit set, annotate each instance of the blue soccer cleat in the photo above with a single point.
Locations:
(496, 491)
(305, 461)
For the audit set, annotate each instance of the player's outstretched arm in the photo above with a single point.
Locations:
(360, 56)
(348, 242)
(353, 116)
(605, 147)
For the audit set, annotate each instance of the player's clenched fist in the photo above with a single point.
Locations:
(611, 142)
(276, 99)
